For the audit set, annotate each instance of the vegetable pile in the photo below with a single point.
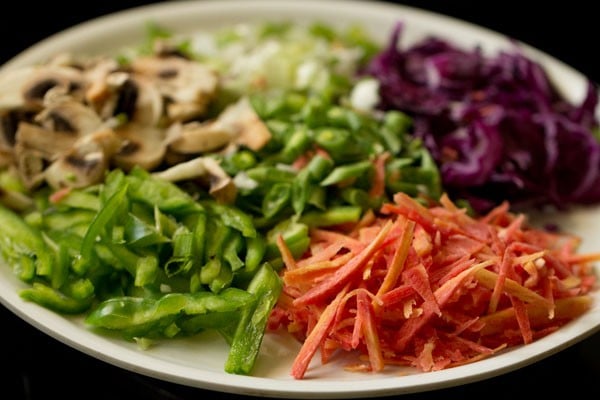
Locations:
(495, 125)
(430, 287)
(278, 177)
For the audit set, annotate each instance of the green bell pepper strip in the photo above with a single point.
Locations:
(182, 258)
(276, 199)
(340, 144)
(103, 220)
(232, 251)
(300, 191)
(19, 241)
(294, 233)
(319, 167)
(267, 175)
(210, 270)
(266, 286)
(167, 196)
(193, 324)
(55, 300)
(332, 216)
(138, 316)
(80, 199)
(139, 233)
(67, 220)
(298, 143)
(232, 217)
(255, 252)
(346, 172)
(222, 280)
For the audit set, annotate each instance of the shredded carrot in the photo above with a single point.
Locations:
(59, 194)
(430, 286)
(378, 184)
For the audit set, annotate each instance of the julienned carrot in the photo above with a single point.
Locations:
(430, 286)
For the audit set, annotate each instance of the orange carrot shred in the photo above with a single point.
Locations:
(342, 275)
(400, 255)
(314, 340)
(429, 287)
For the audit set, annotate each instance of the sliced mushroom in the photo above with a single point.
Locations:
(64, 113)
(249, 129)
(197, 137)
(9, 123)
(149, 105)
(43, 78)
(11, 87)
(238, 124)
(85, 163)
(104, 80)
(31, 164)
(47, 142)
(35, 148)
(142, 145)
(207, 170)
(188, 85)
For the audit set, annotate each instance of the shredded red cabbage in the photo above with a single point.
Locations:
(497, 127)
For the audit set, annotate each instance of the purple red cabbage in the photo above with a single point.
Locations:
(496, 125)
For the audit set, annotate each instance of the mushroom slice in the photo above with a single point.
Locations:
(188, 85)
(47, 142)
(85, 163)
(149, 105)
(208, 171)
(197, 137)
(142, 145)
(30, 166)
(43, 78)
(238, 124)
(249, 130)
(36, 147)
(64, 113)
(9, 124)
(11, 83)
(104, 79)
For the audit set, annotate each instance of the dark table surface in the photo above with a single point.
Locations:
(37, 366)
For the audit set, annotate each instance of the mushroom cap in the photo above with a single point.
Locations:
(64, 113)
(238, 124)
(188, 85)
(44, 78)
(207, 170)
(142, 145)
(85, 163)
(47, 142)
(36, 147)
(12, 82)
(198, 137)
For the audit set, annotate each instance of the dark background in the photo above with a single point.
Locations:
(38, 367)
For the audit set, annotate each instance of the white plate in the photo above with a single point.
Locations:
(199, 362)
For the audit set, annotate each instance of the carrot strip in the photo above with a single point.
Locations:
(313, 272)
(566, 309)
(522, 319)
(286, 254)
(316, 337)
(397, 264)
(489, 279)
(500, 279)
(343, 274)
(378, 185)
(369, 330)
